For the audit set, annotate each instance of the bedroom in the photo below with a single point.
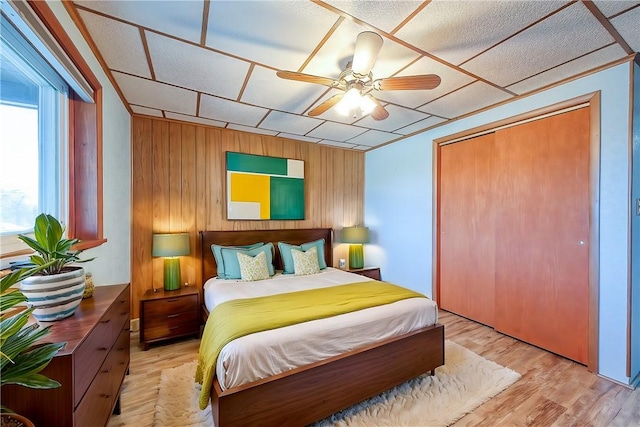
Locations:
(365, 190)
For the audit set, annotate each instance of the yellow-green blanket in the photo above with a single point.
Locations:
(236, 318)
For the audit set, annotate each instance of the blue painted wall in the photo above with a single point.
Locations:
(398, 202)
(635, 233)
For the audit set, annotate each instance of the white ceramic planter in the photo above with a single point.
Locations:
(56, 296)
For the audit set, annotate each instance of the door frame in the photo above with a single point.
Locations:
(591, 101)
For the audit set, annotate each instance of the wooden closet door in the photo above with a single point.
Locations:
(467, 229)
(542, 233)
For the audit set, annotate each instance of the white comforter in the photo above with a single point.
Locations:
(267, 353)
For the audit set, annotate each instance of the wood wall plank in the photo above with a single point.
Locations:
(179, 185)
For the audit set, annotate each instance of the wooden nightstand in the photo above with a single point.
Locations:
(373, 272)
(169, 314)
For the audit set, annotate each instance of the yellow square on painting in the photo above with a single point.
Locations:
(251, 188)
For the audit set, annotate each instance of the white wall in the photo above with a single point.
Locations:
(113, 262)
(398, 203)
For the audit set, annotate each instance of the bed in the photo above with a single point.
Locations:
(316, 390)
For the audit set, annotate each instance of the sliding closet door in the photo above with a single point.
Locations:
(542, 233)
(467, 228)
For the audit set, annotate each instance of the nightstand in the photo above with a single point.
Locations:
(373, 272)
(169, 314)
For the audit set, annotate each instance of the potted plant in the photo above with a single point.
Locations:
(55, 291)
(20, 359)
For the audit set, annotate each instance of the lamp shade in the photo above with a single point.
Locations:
(355, 235)
(169, 245)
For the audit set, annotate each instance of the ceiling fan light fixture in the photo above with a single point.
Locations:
(349, 102)
(367, 105)
(368, 45)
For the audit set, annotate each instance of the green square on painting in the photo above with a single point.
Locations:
(287, 198)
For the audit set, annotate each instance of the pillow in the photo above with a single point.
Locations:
(217, 254)
(305, 263)
(287, 259)
(230, 259)
(253, 268)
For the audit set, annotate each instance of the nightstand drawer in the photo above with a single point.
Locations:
(171, 325)
(176, 304)
(372, 272)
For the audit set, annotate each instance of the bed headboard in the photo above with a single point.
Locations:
(247, 237)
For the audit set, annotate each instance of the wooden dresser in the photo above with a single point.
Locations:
(91, 367)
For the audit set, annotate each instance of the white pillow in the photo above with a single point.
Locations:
(305, 263)
(253, 268)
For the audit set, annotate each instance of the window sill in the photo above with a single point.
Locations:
(88, 244)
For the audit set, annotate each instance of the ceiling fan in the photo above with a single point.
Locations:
(357, 82)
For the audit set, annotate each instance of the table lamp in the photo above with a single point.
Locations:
(356, 236)
(171, 246)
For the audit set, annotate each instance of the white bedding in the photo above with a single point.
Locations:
(267, 353)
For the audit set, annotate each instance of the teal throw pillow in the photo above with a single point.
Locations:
(287, 258)
(217, 254)
(232, 266)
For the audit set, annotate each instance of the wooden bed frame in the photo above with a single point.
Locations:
(313, 392)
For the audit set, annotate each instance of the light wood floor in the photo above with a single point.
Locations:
(552, 391)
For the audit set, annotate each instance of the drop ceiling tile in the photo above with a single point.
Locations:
(137, 109)
(373, 138)
(336, 131)
(289, 123)
(611, 7)
(361, 147)
(109, 36)
(577, 66)
(628, 25)
(451, 80)
(183, 19)
(183, 64)
(572, 32)
(421, 125)
(383, 14)
(252, 130)
(230, 111)
(336, 143)
(268, 90)
(276, 33)
(470, 98)
(192, 119)
(398, 117)
(456, 31)
(152, 94)
(298, 137)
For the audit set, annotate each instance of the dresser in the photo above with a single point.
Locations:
(90, 367)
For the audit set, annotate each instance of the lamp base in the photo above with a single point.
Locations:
(171, 274)
(356, 256)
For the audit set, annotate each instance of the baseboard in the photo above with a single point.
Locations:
(134, 325)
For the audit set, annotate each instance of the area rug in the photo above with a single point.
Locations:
(461, 385)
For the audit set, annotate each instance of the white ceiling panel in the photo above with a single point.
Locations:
(336, 143)
(628, 25)
(252, 130)
(298, 137)
(183, 19)
(398, 117)
(230, 111)
(568, 34)
(470, 98)
(110, 35)
(137, 109)
(196, 68)
(276, 33)
(289, 123)
(612, 7)
(587, 62)
(383, 14)
(268, 90)
(422, 124)
(451, 80)
(361, 147)
(152, 94)
(458, 30)
(336, 131)
(193, 119)
(373, 138)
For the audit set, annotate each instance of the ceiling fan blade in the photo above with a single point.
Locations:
(424, 81)
(378, 113)
(368, 45)
(301, 77)
(326, 105)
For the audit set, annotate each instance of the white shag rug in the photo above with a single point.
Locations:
(461, 385)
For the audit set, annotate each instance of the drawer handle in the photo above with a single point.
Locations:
(106, 371)
(106, 396)
(102, 349)
(122, 301)
(170, 316)
(173, 299)
(105, 321)
(124, 313)
(173, 327)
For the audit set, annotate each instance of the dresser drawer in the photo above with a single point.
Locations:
(171, 325)
(99, 399)
(120, 360)
(90, 356)
(177, 304)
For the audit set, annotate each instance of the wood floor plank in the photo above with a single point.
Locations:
(553, 391)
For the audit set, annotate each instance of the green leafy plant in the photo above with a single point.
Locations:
(54, 250)
(20, 359)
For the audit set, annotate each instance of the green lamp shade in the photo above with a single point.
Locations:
(171, 246)
(356, 236)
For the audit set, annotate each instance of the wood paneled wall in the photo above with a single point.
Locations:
(179, 185)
